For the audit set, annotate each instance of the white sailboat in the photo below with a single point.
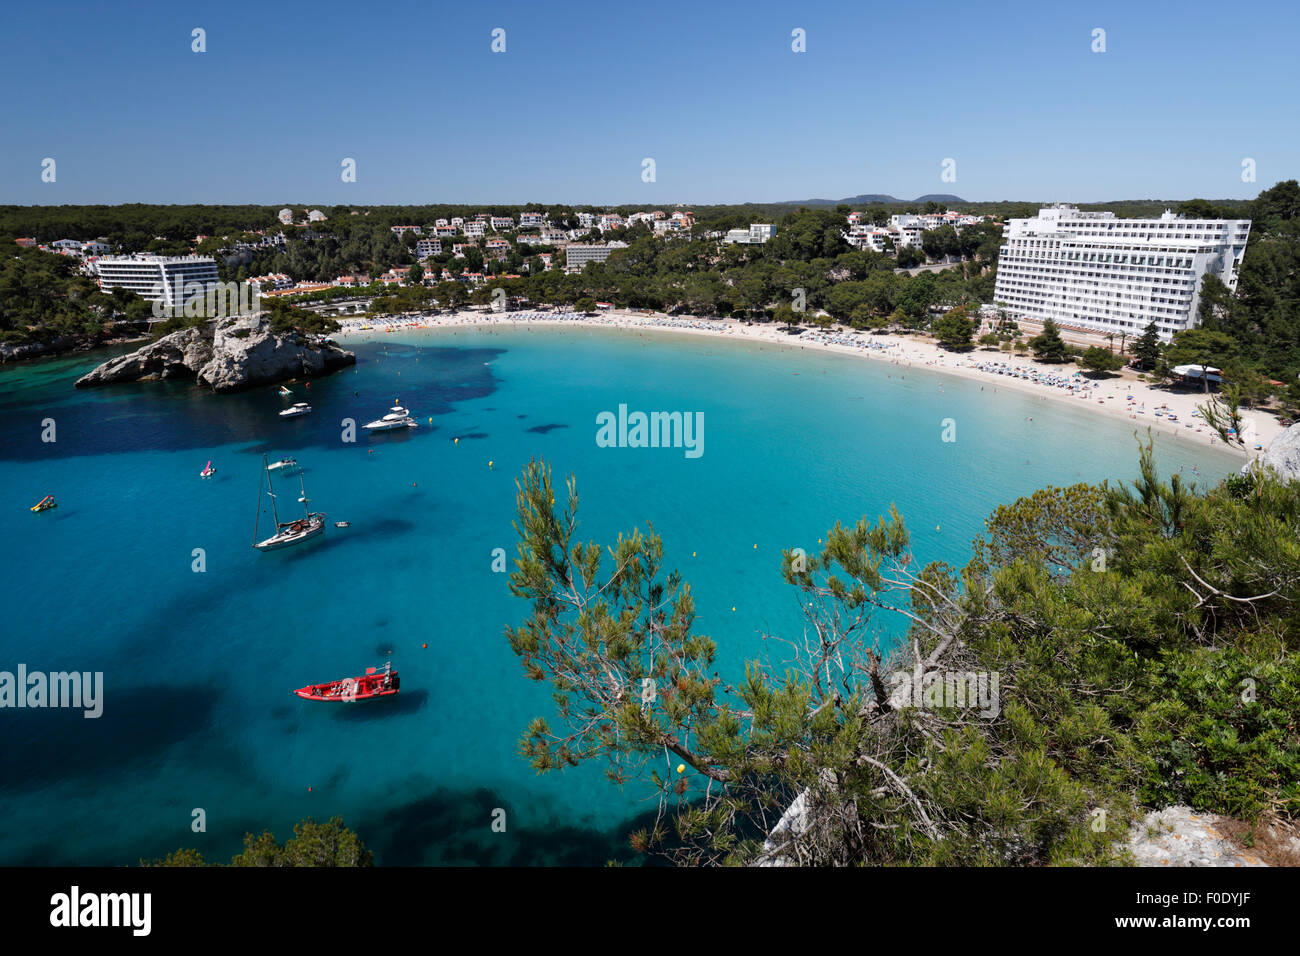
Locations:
(310, 525)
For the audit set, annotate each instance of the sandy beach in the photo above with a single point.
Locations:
(1119, 396)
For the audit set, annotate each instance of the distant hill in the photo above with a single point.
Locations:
(871, 199)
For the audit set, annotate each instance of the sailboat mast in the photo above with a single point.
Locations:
(258, 517)
(270, 490)
(305, 511)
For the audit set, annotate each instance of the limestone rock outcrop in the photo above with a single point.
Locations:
(226, 356)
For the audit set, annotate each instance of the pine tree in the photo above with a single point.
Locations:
(1147, 348)
(1048, 344)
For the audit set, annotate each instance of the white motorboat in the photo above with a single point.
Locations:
(397, 417)
(296, 409)
(282, 463)
(287, 533)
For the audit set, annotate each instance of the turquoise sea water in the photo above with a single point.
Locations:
(198, 667)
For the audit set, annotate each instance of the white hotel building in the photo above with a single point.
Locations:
(1090, 270)
(577, 256)
(158, 278)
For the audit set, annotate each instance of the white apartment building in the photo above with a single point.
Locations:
(906, 230)
(475, 229)
(578, 255)
(272, 282)
(1091, 270)
(531, 220)
(867, 236)
(428, 247)
(158, 278)
(757, 234)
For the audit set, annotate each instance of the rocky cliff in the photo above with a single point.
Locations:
(1283, 455)
(226, 356)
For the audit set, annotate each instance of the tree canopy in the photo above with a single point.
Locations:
(1144, 639)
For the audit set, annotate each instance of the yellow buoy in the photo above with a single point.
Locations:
(489, 464)
(681, 768)
(455, 441)
(733, 607)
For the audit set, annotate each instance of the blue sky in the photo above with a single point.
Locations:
(585, 91)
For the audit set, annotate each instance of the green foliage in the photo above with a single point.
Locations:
(1056, 528)
(1145, 637)
(1223, 414)
(1100, 360)
(1047, 345)
(1201, 347)
(288, 318)
(1262, 319)
(43, 298)
(313, 844)
(1221, 734)
(954, 330)
(1146, 348)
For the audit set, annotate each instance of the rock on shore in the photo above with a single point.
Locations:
(226, 356)
(10, 352)
(1179, 836)
(1283, 454)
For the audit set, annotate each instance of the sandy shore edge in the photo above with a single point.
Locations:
(1109, 396)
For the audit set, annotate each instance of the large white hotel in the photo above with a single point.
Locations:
(158, 278)
(1093, 271)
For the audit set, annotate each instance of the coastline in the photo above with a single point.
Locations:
(1109, 396)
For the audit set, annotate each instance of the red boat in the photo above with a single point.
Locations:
(374, 683)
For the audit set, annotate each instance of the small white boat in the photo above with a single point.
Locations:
(342, 524)
(208, 471)
(296, 409)
(285, 390)
(397, 417)
(283, 463)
